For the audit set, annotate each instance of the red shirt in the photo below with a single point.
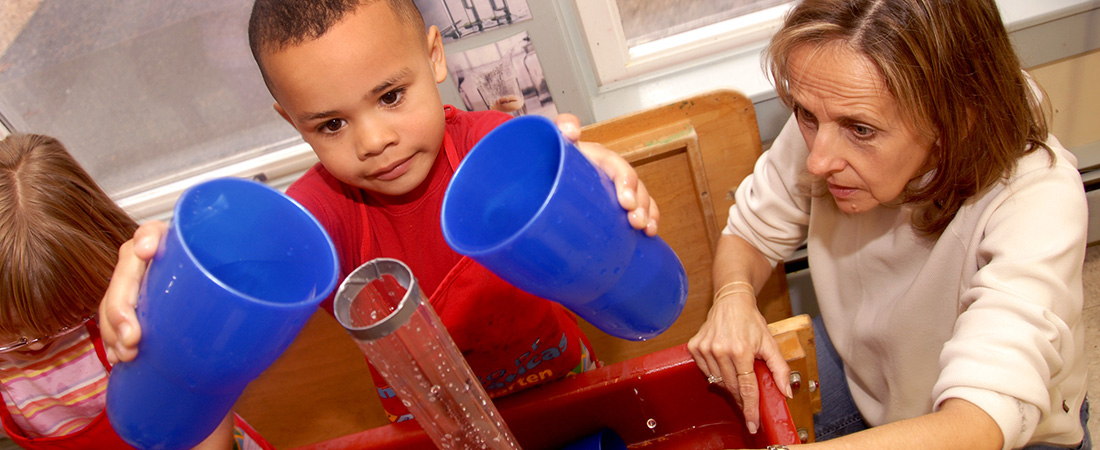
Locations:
(363, 228)
(511, 339)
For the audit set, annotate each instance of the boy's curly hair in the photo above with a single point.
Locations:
(277, 24)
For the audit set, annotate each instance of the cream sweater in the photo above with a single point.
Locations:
(989, 312)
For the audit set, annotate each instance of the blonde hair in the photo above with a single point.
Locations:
(59, 237)
(952, 69)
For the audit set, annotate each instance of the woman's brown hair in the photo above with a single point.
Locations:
(951, 68)
(59, 237)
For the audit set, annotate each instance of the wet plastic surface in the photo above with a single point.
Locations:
(526, 204)
(655, 402)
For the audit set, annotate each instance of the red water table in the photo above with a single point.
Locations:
(657, 401)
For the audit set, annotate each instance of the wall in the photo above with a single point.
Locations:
(1044, 32)
(1075, 97)
(1072, 87)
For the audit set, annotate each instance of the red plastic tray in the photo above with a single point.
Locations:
(657, 401)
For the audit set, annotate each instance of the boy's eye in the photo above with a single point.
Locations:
(332, 125)
(392, 97)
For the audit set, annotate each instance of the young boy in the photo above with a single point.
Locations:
(357, 79)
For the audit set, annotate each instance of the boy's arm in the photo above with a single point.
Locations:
(222, 438)
(633, 197)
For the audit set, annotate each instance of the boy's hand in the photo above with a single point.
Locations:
(118, 325)
(641, 210)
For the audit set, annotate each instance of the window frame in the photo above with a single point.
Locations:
(277, 169)
(614, 63)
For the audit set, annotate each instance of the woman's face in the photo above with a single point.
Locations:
(860, 143)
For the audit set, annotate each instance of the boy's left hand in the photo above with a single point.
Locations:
(641, 210)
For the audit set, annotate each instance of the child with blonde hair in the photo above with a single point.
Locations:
(59, 240)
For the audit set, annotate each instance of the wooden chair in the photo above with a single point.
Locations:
(690, 154)
(795, 336)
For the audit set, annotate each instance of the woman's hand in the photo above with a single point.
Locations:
(118, 323)
(735, 334)
(732, 338)
(641, 209)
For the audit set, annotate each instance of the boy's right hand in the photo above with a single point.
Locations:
(118, 325)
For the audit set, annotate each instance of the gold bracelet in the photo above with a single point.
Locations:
(728, 293)
(722, 290)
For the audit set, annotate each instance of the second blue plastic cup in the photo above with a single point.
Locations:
(240, 271)
(527, 205)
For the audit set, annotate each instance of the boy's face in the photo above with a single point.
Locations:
(363, 95)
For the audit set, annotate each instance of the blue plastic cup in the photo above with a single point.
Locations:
(240, 271)
(605, 439)
(527, 205)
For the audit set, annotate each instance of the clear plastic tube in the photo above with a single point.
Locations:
(381, 305)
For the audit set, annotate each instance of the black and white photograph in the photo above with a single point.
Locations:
(457, 19)
(505, 76)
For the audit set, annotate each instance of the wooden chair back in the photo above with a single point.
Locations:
(691, 155)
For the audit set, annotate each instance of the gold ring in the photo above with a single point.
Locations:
(712, 379)
(745, 373)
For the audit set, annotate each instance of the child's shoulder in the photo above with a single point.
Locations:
(315, 186)
(468, 127)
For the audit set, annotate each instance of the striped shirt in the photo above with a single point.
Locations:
(62, 387)
(57, 391)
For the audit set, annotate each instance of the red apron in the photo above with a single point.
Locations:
(511, 339)
(98, 434)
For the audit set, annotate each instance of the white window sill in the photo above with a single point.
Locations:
(277, 169)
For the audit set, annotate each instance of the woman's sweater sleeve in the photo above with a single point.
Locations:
(1016, 338)
(772, 205)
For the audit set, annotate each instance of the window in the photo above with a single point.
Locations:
(143, 93)
(629, 38)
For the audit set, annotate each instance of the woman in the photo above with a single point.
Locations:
(945, 230)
